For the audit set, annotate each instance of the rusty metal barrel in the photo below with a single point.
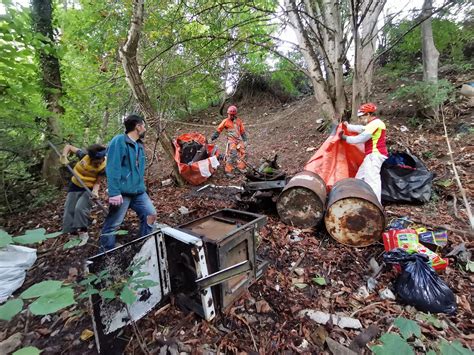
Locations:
(302, 201)
(354, 216)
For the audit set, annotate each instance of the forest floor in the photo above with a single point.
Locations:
(266, 319)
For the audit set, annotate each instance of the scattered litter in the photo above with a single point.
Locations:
(86, 334)
(419, 285)
(299, 271)
(362, 292)
(371, 284)
(310, 149)
(183, 210)
(386, 294)
(374, 266)
(277, 288)
(403, 129)
(294, 237)
(322, 318)
(338, 349)
(304, 345)
(167, 182)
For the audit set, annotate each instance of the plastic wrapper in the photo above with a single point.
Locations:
(418, 284)
(407, 239)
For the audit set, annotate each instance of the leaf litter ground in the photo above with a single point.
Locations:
(266, 319)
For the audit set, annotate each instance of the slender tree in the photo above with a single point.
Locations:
(428, 48)
(42, 16)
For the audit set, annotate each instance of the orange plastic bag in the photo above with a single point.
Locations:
(335, 159)
(199, 171)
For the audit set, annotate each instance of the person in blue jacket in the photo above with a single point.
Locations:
(125, 171)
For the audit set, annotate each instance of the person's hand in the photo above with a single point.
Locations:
(63, 160)
(345, 123)
(116, 200)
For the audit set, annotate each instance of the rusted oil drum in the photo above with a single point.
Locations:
(354, 216)
(302, 201)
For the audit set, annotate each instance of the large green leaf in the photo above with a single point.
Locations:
(30, 238)
(53, 302)
(41, 289)
(29, 350)
(407, 327)
(72, 243)
(128, 296)
(393, 344)
(11, 309)
(5, 238)
(52, 235)
(454, 348)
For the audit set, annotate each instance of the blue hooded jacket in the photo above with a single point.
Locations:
(125, 167)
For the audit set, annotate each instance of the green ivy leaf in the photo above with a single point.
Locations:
(107, 294)
(11, 309)
(454, 348)
(470, 266)
(128, 296)
(393, 344)
(52, 235)
(144, 284)
(41, 289)
(29, 350)
(121, 232)
(431, 319)
(53, 302)
(321, 281)
(30, 238)
(72, 243)
(88, 293)
(444, 183)
(407, 327)
(5, 238)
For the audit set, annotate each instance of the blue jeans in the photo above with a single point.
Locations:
(141, 204)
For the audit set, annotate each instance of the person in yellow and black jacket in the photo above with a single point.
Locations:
(78, 204)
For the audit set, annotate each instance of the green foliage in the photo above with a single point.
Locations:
(449, 36)
(53, 302)
(10, 309)
(41, 289)
(321, 281)
(128, 296)
(35, 236)
(425, 96)
(29, 350)
(5, 238)
(407, 327)
(453, 348)
(393, 344)
(72, 243)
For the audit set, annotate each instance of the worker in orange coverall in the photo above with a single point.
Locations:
(236, 141)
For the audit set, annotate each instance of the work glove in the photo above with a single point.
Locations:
(116, 200)
(214, 136)
(63, 160)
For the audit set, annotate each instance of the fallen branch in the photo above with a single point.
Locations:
(456, 175)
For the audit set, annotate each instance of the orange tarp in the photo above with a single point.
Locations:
(335, 159)
(193, 173)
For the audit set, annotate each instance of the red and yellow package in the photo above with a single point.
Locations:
(407, 239)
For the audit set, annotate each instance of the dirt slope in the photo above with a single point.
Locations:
(287, 130)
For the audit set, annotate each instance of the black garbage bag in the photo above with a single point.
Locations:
(419, 285)
(405, 179)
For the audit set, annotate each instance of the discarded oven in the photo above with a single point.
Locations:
(206, 264)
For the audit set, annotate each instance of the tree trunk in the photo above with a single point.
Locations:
(128, 56)
(42, 13)
(105, 125)
(326, 93)
(430, 53)
(364, 16)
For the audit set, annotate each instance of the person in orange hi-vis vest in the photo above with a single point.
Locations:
(236, 141)
(373, 136)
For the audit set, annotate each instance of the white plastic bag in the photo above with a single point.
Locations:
(14, 261)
